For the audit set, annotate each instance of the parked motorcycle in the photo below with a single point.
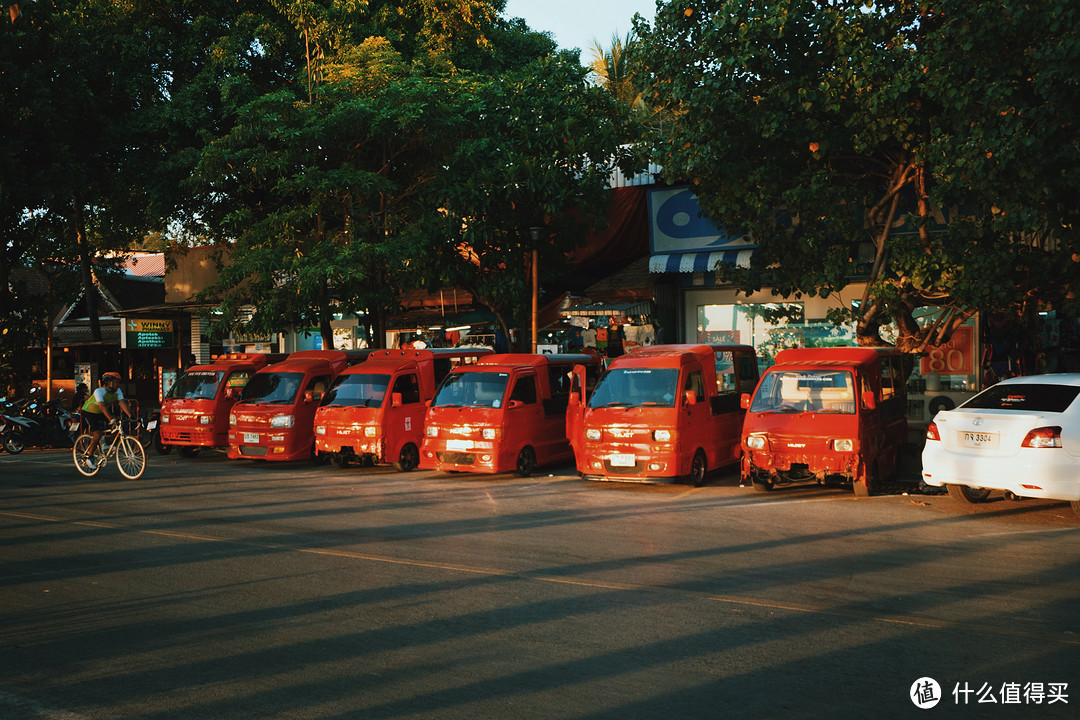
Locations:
(32, 424)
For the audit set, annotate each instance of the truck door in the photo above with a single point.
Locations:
(696, 428)
(575, 408)
(405, 416)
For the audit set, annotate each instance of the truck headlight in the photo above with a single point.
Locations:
(490, 433)
(370, 431)
(232, 419)
(320, 429)
(282, 421)
(206, 419)
(843, 445)
(164, 419)
(431, 431)
(592, 434)
(661, 435)
(757, 442)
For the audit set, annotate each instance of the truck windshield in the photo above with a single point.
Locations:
(634, 387)
(272, 387)
(794, 391)
(360, 390)
(196, 384)
(472, 389)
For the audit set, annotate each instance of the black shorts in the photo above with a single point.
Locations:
(95, 422)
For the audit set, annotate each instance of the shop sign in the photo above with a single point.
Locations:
(677, 225)
(956, 357)
(148, 334)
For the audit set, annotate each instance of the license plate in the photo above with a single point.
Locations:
(251, 438)
(459, 445)
(979, 440)
(73, 426)
(152, 425)
(622, 460)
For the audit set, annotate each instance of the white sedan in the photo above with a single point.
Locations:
(1021, 436)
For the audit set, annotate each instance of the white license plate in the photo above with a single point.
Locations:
(622, 460)
(152, 425)
(251, 438)
(979, 440)
(459, 445)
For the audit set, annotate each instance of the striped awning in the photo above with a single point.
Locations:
(698, 262)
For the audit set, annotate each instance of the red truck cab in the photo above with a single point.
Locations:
(827, 414)
(274, 418)
(195, 412)
(506, 412)
(663, 413)
(374, 411)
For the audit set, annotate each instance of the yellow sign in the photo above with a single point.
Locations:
(151, 326)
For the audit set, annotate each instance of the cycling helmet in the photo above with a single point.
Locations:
(111, 376)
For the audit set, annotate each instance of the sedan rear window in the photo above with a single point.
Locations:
(1037, 397)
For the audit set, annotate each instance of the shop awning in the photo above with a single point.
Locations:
(699, 261)
(641, 307)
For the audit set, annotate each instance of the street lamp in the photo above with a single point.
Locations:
(534, 233)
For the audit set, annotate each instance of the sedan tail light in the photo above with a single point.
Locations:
(932, 432)
(1044, 437)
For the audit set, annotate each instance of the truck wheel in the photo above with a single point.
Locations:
(1076, 506)
(966, 494)
(762, 485)
(698, 468)
(159, 446)
(408, 459)
(866, 487)
(526, 462)
(190, 451)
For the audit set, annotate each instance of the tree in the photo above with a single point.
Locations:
(537, 161)
(819, 127)
(416, 126)
(102, 106)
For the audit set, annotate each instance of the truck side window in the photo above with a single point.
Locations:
(409, 389)
(887, 378)
(696, 383)
(318, 386)
(525, 390)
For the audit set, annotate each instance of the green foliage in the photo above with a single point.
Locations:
(536, 156)
(820, 127)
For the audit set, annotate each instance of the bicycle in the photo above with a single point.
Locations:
(129, 452)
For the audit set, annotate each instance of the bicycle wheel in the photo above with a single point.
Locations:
(130, 457)
(82, 462)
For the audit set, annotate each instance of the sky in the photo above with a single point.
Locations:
(581, 23)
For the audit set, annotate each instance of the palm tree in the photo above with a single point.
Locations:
(611, 70)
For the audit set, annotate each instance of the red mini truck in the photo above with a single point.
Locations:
(274, 418)
(827, 415)
(195, 412)
(374, 411)
(506, 412)
(663, 413)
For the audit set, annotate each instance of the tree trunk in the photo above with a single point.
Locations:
(90, 292)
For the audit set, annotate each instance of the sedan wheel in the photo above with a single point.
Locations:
(966, 494)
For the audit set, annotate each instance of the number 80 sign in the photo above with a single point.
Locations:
(956, 357)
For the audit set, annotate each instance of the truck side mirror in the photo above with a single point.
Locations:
(869, 401)
(395, 400)
(744, 401)
(309, 396)
(691, 397)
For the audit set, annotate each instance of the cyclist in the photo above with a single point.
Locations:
(96, 413)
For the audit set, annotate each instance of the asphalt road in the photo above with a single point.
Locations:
(223, 589)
